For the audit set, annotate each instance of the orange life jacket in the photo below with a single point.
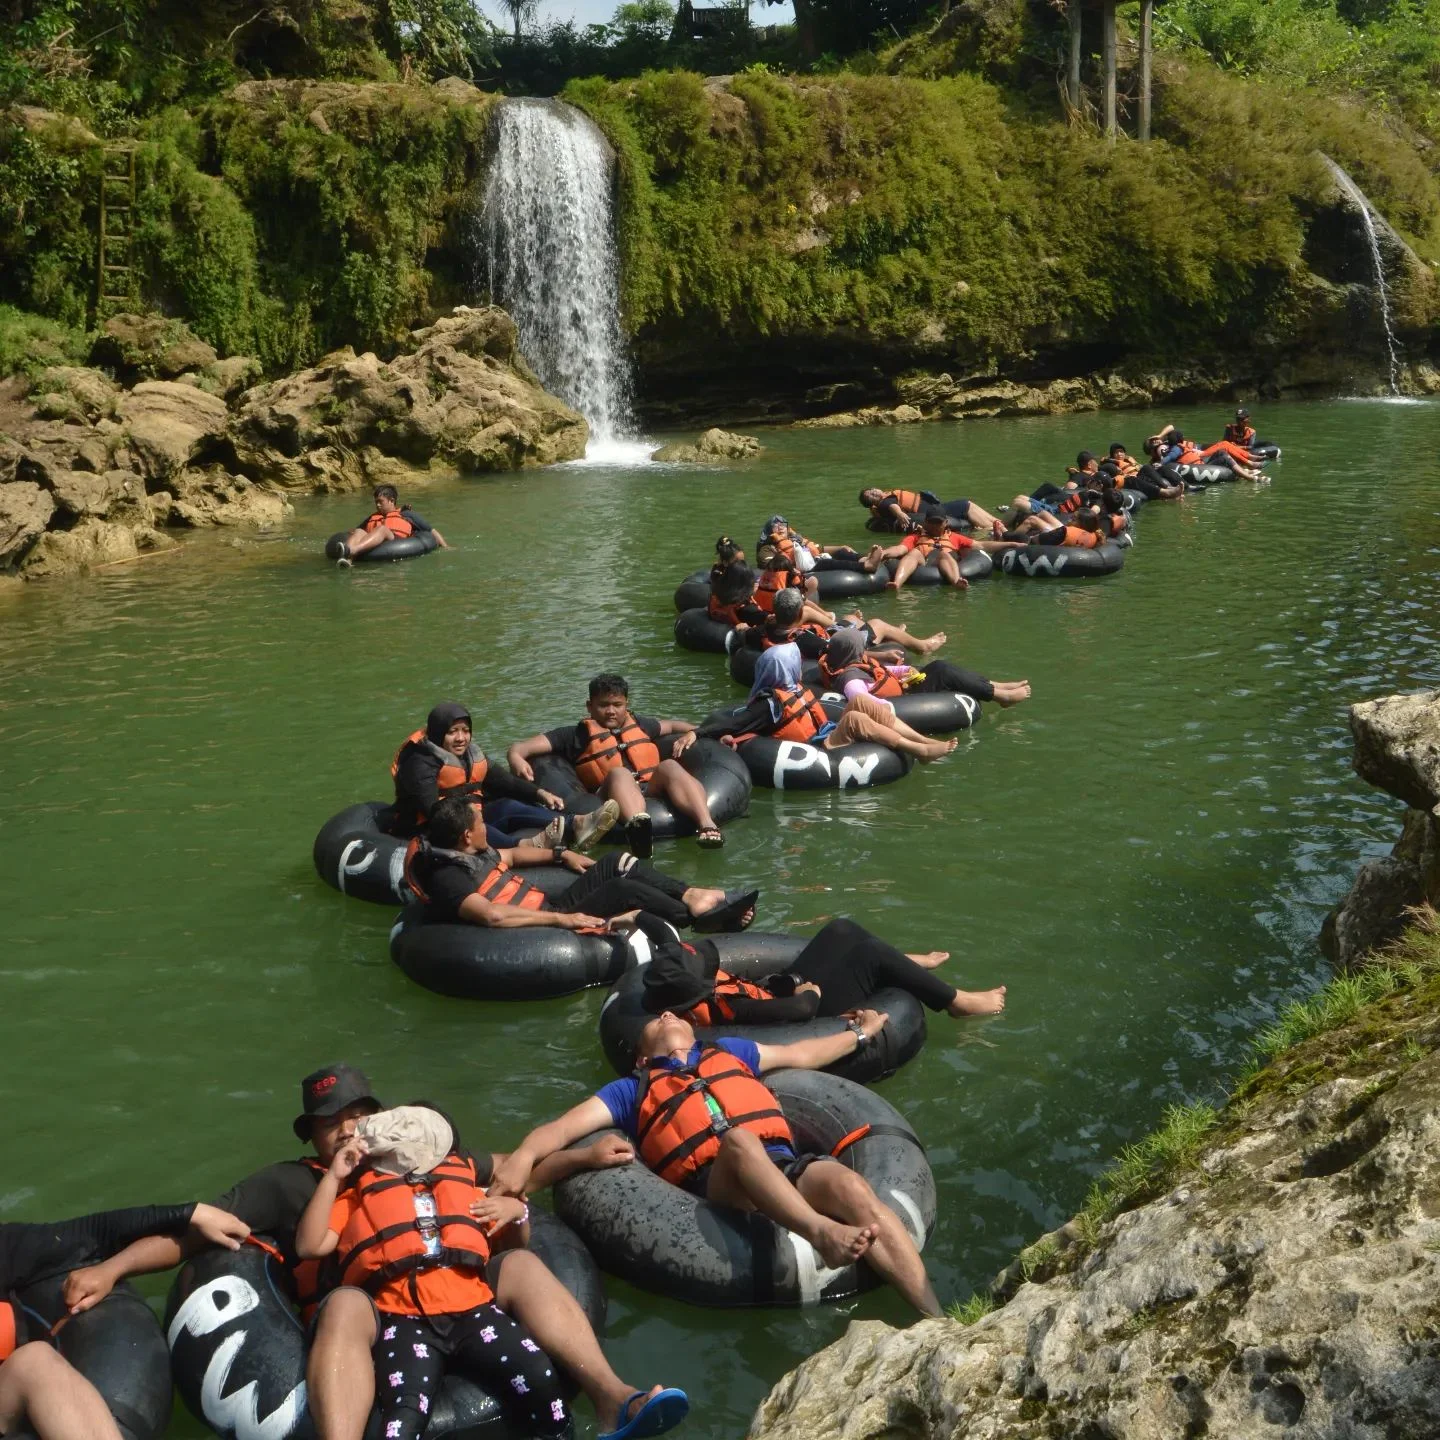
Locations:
(495, 881)
(770, 583)
(767, 642)
(924, 544)
(1082, 539)
(385, 1239)
(726, 614)
(604, 749)
(455, 773)
(717, 1009)
(802, 717)
(9, 1328)
(1240, 435)
(1070, 504)
(676, 1132)
(880, 682)
(394, 522)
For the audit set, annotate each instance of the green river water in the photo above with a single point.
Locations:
(1143, 852)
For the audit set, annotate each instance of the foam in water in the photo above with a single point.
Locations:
(1378, 265)
(547, 246)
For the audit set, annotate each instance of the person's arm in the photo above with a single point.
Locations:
(894, 552)
(775, 1009)
(314, 1239)
(604, 1154)
(507, 1221)
(824, 1049)
(476, 910)
(440, 540)
(750, 720)
(522, 752)
(895, 512)
(417, 784)
(513, 1176)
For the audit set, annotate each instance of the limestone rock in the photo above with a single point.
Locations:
(25, 511)
(463, 397)
(215, 497)
(1288, 1291)
(150, 346)
(232, 376)
(170, 425)
(869, 415)
(81, 494)
(59, 553)
(713, 445)
(1397, 746)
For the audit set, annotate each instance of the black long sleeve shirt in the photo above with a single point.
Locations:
(31, 1252)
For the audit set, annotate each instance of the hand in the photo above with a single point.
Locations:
(218, 1226)
(521, 768)
(730, 742)
(551, 801)
(622, 922)
(609, 1151)
(582, 922)
(809, 985)
(497, 1211)
(872, 1022)
(88, 1287)
(574, 860)
(682, 744)
(347, 1157)
(511, 1176)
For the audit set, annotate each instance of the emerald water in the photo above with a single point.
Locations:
(1143, 852)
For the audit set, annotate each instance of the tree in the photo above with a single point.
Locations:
(520, 11)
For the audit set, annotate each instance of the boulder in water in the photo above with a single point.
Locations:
(463, 397)
(713, 445)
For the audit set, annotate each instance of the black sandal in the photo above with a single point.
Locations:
(727, 915)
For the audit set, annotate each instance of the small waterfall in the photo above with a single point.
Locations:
(547, 247)
(1377, 263)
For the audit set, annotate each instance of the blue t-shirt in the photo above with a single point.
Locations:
(622, 1097)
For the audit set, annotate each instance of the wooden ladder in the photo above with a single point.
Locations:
(116, 287)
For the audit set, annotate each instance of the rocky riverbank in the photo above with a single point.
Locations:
(102, 463)
(1269, 1269)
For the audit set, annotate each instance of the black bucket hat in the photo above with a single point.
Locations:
(329, 1091)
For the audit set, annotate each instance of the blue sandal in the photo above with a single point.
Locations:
(658, 1414)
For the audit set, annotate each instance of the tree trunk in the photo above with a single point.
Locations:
(1073, 85)
(805, 30)
(1147, 45)
(1107, 45)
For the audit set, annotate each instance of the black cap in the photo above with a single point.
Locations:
(329, 1091)
(1242, 413)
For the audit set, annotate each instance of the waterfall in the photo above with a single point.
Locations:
(1378, 265)
(547, 247)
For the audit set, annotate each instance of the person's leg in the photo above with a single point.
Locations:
(526, 1288)
(40, 1387)
(887, 634)
(408, 1367)
(362, 540)
(622, 787)
(867, 720)
(744, 1177)
(499, 1354)
(905, 567)
(942, 675)
(618, 883)
(837, 1191)
(673, 782)
(950, 570)
(340, 1371)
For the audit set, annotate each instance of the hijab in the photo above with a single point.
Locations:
(777, 668)
(845, 649)
(441, 718)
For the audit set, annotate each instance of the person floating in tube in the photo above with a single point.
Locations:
(390, 521)
(898, 510)
(444, 759)
(745, 1157)
(341, 1320)
(39, 1388)
(788, 626)
(460, 880)
(616, 755)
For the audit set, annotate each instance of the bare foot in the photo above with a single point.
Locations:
(997, 529)
(978, 1002)
(839, 1245)
(932, 644)
(1011, 692)
(931, 958)
(698, 901)
(939, 749)
(891, 585)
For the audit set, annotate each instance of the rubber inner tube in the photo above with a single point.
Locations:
(752, 956)
(238, 1351)
(661, 1238)
(354, 855)
(422, 542)
(118, 1346)
(973, 565)
(1062, 562)
(793, 765)
(695, 629)
(726, 781)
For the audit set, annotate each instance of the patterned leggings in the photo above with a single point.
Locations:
(486, 1346)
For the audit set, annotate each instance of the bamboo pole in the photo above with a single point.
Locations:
(1147, 27)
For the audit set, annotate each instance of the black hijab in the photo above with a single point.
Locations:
(442, 717)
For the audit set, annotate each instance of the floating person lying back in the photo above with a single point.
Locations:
(460, 880)
(807, 555)
(897, 510)
(732, 595)
(702, 1119)
(787, 626)
(444, 759)
(846, 667)
(617, 755)
(389, 521)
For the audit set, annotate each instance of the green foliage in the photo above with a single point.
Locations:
(1150, 1165)
(1339, 1002)
(29, 343)
(977, 1307)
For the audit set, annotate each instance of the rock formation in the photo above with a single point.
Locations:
(713, 445)
(97, 463)
(1283, 1284)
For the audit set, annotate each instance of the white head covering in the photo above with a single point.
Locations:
(410, 1139)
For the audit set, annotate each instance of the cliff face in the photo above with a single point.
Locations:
(1278, 1277)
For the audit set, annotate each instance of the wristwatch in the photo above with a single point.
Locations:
(557, 854)
(861, 1038)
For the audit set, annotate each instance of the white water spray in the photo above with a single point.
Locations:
(547, 246)
(1378, 265)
